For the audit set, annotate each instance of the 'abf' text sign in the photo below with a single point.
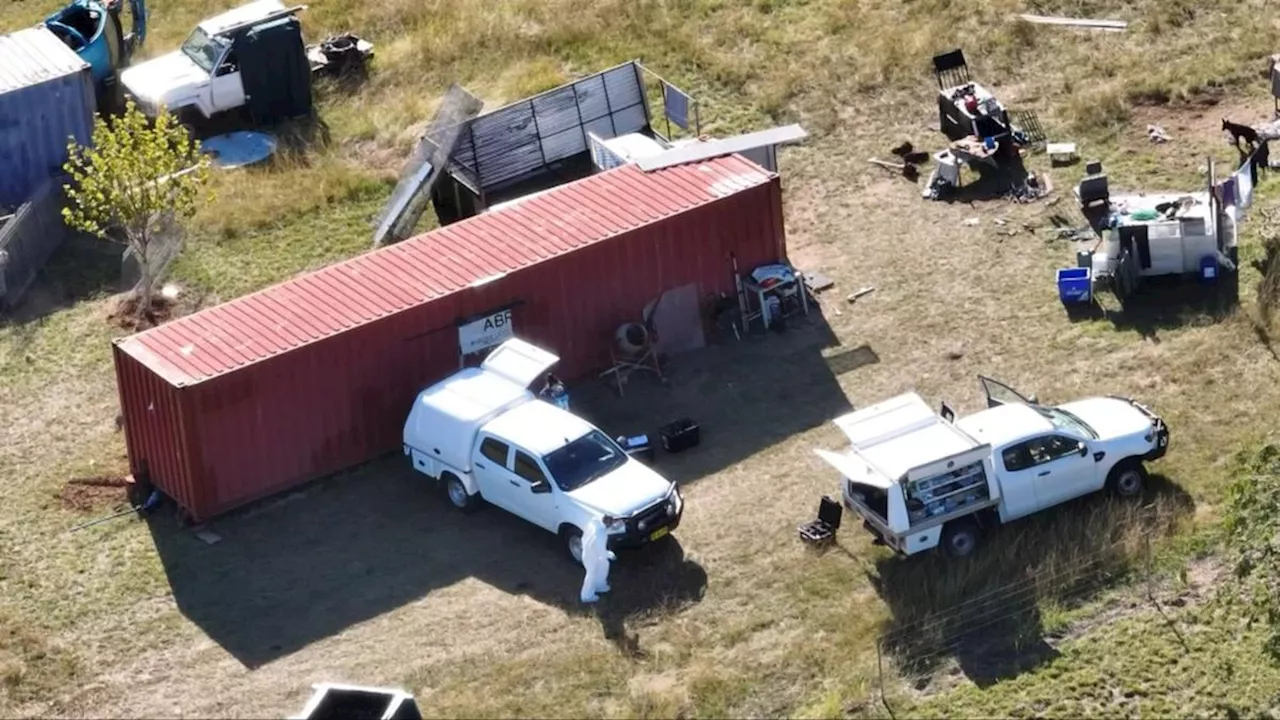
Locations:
(485, 332)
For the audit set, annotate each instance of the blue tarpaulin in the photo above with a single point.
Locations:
(240, 148)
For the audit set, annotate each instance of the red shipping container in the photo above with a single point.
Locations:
(316, 374)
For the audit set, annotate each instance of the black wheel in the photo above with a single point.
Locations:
(572, 539)
(458, 496)
(1127, 479)
(960, 538)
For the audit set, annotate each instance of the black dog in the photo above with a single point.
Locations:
(1238, 132)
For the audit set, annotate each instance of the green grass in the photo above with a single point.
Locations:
(781, 635)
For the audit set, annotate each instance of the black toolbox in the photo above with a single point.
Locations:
(679, 435)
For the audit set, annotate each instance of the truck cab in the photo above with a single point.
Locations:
(921, 479)
(485, 436)
(251, 56)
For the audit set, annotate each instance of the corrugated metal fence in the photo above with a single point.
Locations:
(524, 137)
(29, 238)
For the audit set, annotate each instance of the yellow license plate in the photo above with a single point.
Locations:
(659, 533)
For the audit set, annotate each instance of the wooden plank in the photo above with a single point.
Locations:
(1112, 25)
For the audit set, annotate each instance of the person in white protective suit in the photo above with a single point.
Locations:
(595, 560)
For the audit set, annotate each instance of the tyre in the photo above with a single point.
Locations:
(572, 538)
(960, 538)
(1127, 479)
(458, 496)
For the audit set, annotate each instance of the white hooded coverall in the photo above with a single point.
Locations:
(595, 560)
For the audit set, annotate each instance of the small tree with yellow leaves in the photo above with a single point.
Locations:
(137, 178)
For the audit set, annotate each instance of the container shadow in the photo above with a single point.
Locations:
(294, 570)
(305, 567)
(82, 267)
(744, 395)
(986, 614)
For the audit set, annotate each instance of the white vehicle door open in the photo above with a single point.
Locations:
(227, 87)
(1000, 394)
(490, 465)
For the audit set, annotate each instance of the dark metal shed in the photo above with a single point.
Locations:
(316, 374)
(544, 140)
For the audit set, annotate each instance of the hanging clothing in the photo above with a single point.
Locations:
(1228, 192)
(1244, 190)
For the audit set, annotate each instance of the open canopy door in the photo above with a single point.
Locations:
(519, 362)
(1000, 394)
(855, 470)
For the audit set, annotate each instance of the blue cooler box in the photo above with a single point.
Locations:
(1075, 285)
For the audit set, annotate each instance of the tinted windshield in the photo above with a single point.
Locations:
(1064, 420)
(202, 49)
(589, 457)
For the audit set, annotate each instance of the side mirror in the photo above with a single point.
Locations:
(1084, 449)
(541, 487)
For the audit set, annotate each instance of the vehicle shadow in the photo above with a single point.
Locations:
(1167, 303)
(307, 566)
(987, 614)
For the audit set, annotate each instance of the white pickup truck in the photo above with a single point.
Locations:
(484, 435)
(920, 478)
(208, 74)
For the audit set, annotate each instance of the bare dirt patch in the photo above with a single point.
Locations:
(86, 494)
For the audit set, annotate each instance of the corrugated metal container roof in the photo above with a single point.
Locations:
(32, 56)
(357, 291)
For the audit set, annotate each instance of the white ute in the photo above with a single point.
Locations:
(203, 74)
(920, 479)
(485, 435)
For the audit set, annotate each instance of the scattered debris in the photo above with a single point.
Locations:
(208, 536)
(908, 171)
(860, 292)
(1000, 221)
(338, 55)
(954, 353)
(170, 292)
(971, 222)
(817, 282)
(1031, 189)
(1105, 25)
(1157, 134)
(1061, 153)
(1269, 131)
(152, 501)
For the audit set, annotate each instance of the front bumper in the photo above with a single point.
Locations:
(657, 524)
(1158, 427)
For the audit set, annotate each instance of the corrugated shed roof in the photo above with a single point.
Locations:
(360, 290)
(32, 56)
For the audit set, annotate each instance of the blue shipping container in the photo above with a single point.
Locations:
(46, 99)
